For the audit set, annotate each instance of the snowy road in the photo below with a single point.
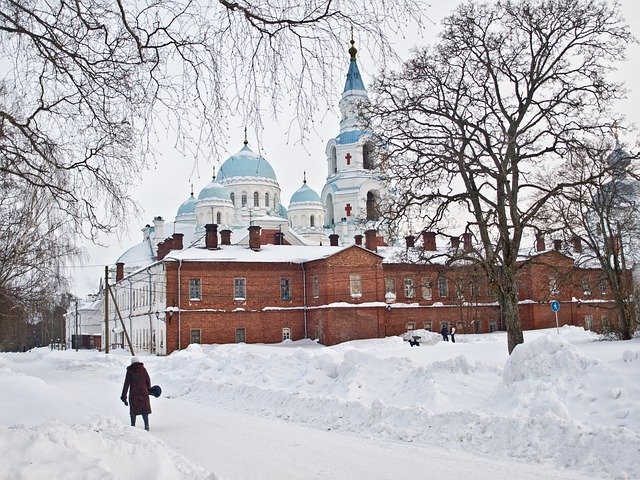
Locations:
(237, 446)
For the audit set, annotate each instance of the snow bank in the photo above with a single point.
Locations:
(104, 449)
(561, 399)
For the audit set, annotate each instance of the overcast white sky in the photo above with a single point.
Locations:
(167, 184)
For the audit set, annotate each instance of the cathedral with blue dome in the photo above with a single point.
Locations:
(244, 191)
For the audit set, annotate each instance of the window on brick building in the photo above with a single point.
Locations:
(443, 286)
(195, 289)
(603, 285)
(553, 285)
(286, 333)
(195, 336)
(409, 288)
(239, 288)
(316, 287)
(473, 289)
(410, 326)
(241, 335)
(427, 292)
(459, 291)
(586, 286)
(477, 326)
(390, 285)
(428, 326)
(493, 326)
(355, 285)
(285, 288)
(588, 322)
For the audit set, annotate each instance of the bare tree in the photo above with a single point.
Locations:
(84, 84)
(510, 86)
(36, 242)
(600, 214)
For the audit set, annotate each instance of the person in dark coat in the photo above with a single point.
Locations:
(137, 383)
(445, 332)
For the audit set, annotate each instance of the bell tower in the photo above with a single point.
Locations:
(354, 187)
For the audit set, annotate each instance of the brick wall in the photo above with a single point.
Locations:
(336, 315)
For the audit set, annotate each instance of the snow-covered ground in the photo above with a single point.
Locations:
(561, 407)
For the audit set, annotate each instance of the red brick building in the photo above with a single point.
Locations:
(264, 293)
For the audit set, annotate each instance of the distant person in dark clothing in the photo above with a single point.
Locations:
(453, 334)
(445, 332)
(137, 383)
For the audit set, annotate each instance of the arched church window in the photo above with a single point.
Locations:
(244, 199)
(256, 199)
(367, 156)
(266, 199)
(233, 199)
(312, 221)
(218, 218)
(328, 207)
(333, 161)
(372, 206)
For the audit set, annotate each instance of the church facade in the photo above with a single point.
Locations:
(240, 267)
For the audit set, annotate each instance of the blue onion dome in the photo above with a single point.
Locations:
(282, 211)
(304, 194)
(246, 163)
(187, 207)
(619, 159)
(214, 190)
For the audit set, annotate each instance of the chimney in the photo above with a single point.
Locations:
(177, 241)
(333, 239)
(163, 249)
(540, 243)
(119, 271)
(146, 231)
(225, 237)
(370, 240)
(254, 237)
(455, 243)
(278, 238)
(429, 241)
(158, 223)
(466, 242)
(211, 236)
(557, 245)
(411, 241)
(616, 244)
(577, 245)
(358, 239)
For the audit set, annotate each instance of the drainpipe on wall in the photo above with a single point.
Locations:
(179, 308)
(304, 298)
(151, 343)
(131, 305)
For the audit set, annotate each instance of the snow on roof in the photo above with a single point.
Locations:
(266, 254)
(138, 255)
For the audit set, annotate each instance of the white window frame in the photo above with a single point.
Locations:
(195, 289)
(409, 288)
(239, 288)
(355, 285)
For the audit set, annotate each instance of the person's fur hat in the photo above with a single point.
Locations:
(135, 360)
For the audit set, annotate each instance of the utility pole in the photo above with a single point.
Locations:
(106, 309)
(76, 324)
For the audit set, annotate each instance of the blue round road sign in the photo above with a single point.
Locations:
(555, 305)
